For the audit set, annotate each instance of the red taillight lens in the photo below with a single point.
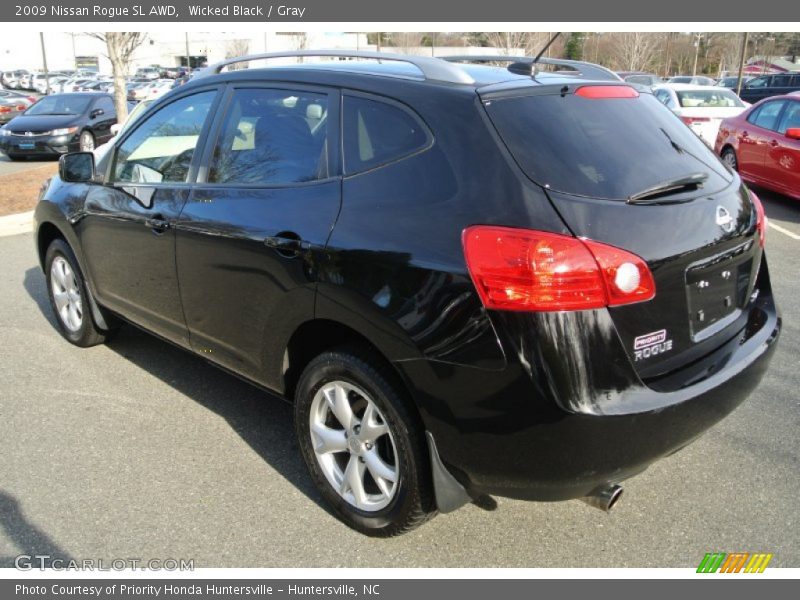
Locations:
(761, 219)
(606, 91)
(5, 109)
(690, 120)
(525, 270)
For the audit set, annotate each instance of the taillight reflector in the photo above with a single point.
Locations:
(606, 91)
(690, 120)
(761, 219)
(527, 270)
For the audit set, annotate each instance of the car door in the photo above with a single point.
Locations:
(127, 233)
(267, 196)
(754, 139)
(756, 89)
(102, 115)
(782, 161)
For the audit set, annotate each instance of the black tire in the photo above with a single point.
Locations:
(13, 156)
(729, 157)
(413, 502)
(88, 333)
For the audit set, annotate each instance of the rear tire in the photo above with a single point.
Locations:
(729, 158)
(367, 454)
(69, 297)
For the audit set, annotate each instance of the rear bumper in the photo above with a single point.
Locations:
(507, 432)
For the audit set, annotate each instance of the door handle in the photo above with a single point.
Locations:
(287, 244)
(774, 143)
(157, 223)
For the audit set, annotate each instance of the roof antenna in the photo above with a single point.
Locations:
(543, 50)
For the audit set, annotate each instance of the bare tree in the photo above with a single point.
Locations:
(636, 50)
(407, 41)
(236, 48)
(121, 46)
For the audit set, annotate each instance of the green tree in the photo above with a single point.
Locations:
(574, 47)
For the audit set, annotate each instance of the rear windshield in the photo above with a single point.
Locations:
(609, 148)
(718, 98)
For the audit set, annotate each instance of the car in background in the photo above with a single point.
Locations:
(767, 86)
(18, 96)
(642, 78)
(19, 76)
(149, 73)
(8, 79)
(701, 107)
(732, 81)
(58, 124)
(692, 79)
(74, 83)
(96, 86)
(134, 112)
(11, 108)
(763, 144)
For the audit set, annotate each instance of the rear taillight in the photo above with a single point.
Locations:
(526, 270)
(691, 120)
(761, 219)
(4, 109)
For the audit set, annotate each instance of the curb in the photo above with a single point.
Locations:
(16, 224)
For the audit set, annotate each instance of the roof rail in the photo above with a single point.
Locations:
(524, 65)
(434, 69)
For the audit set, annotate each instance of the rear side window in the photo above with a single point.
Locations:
(766, 116)
(272, 136)
(609, 148)
(376, 133)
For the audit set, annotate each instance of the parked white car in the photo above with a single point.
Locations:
(701, 107)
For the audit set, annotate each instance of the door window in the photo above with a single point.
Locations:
(767, 115)
(758, 82)
(791, 117)
(160, 150)
(272, 136)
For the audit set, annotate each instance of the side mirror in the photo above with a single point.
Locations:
(76, 167)
(96, 113)
(793, 133)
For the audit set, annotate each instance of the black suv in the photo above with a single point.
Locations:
(767, 86)
(469, 279)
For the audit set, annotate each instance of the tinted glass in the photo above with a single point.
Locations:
(642, 79)
(781, 80)
(376, 133)
(767, 115)
(272, 137)
(758, 82)
(161, 149)
(601, 148)
(790, 118)
(106, 104)
(67, 104)
(716, 98)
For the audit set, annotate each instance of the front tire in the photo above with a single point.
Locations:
(69, 297)
(729, 158)
(362, 444)
(86, 141)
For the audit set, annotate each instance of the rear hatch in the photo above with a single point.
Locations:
(622, 169)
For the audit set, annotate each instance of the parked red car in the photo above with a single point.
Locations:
(763, 144)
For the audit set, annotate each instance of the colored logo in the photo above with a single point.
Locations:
(737, 562)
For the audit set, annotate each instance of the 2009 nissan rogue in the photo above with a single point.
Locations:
(469, 279)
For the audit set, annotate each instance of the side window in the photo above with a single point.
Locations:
(758, 82)
(663, 96)
(161, 148)
(106, 104)
(791, 117)
(376, 133)
(781, 80)
(272, 136)
(767, 116)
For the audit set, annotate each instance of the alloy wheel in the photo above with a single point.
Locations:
(66, 294)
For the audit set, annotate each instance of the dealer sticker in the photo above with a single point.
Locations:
(651, 344)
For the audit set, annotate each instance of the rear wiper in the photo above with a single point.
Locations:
(655, 194)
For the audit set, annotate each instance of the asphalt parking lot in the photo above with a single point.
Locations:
(137, 449)
(8, 166)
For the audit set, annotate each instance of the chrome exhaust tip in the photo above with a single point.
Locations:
(604, 497)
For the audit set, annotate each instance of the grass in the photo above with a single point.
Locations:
(20, 191)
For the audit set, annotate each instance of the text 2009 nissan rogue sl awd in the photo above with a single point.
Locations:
(468, 279)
